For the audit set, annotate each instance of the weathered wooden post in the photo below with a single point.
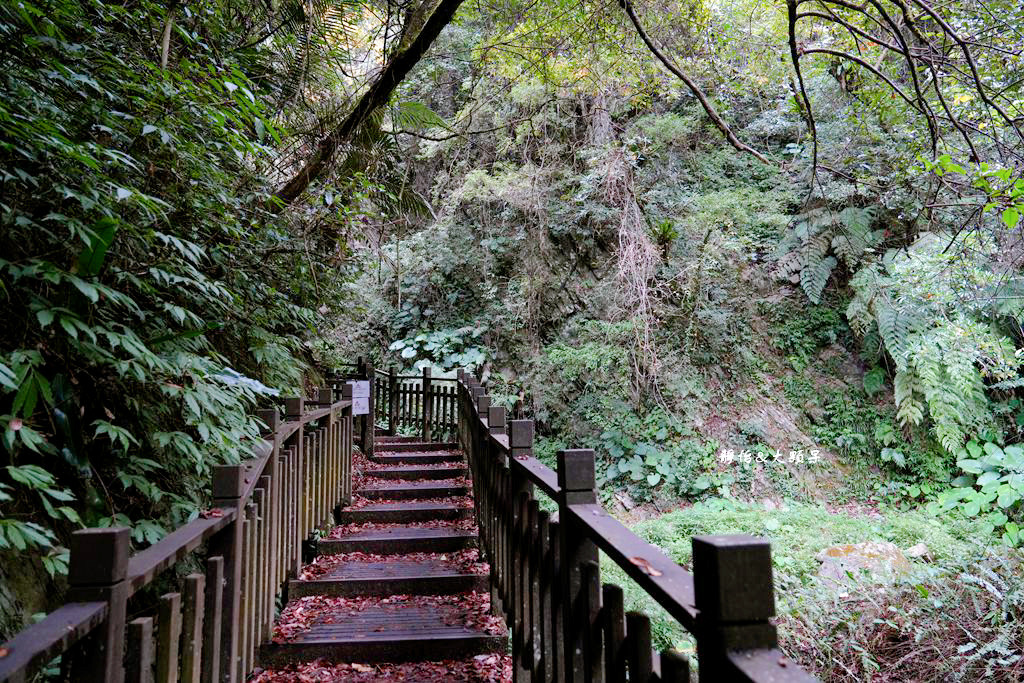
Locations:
(368, 419)
(293, 409)
(97, 573)
(346, 473)
(392, 400)
(428, 405)
(272, 486)
(515, 567)
(228, 486)
(578, 483)
(732, 582)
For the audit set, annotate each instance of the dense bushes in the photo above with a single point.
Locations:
(149, 302)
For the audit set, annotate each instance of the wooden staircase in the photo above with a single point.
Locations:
(397, 589)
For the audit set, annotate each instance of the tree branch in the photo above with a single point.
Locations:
(709, 108)
(376, 95)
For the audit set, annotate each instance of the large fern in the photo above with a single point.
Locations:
(942, 349)
(818, 239)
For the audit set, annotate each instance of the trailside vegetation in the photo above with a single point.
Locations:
(764, 256)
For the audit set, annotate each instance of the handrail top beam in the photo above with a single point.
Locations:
(656, 573)
(39, 643)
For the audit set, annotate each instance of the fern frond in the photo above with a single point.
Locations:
(814, 277)
(906, 388)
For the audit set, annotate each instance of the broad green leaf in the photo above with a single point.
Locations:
(90, 260)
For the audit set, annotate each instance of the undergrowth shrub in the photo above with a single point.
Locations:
(959, 618)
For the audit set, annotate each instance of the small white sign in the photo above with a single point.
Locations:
(360, 388)
(360, 405)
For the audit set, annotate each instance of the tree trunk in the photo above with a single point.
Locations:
(376, 95)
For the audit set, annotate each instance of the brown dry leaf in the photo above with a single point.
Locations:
(211, 513)
(4, 652)
(363, 668)
(645, 566)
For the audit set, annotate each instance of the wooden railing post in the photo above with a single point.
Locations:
(347, 439)
(99, 566)
(496, 419)
(577, 482)
(228, 484)
(368, 419)
(515, 570)
(428, 405)
(392, 400)
(732, 582)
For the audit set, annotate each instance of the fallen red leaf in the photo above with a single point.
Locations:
(645, 566)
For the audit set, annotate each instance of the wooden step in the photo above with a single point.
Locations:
(385, 633)
(404, 512)
(418, 447)
(427, 576)
(409, 490)
(393, 439)
(413, 473)
(417, 458)
(400, 540)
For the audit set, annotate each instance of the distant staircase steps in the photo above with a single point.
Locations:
(399, 576)
(404, 511)
(384, 441)
(409, 490)
(417, 457)
(401, 540)
(396, 607)
(413, 472)
(416, 446)
(387, 633)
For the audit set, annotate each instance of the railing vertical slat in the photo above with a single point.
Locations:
(557, 591)
(392, 401)
(531, 632)
(139, 651)
(594, 651)
(542, 645)
(228, 484)
(192, 628)
(614, 625)
(213, 607)
(638, 647)
(168, 636)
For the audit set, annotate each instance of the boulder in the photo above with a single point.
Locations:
(873, 560)
(920, 552)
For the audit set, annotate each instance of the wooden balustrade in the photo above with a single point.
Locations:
(565, 624)
(247, 546)
(421, 404)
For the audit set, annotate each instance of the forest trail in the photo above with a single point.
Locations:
(397, 590)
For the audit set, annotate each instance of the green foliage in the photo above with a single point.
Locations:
(152, 303)
(458, 348)
(991, 487)
(819, 239)
(798, 532)
(942, 336)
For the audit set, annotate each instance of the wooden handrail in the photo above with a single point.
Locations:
(264, 509)
(145, 565)
(564, 624)
(658, 575)
(37, 644)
